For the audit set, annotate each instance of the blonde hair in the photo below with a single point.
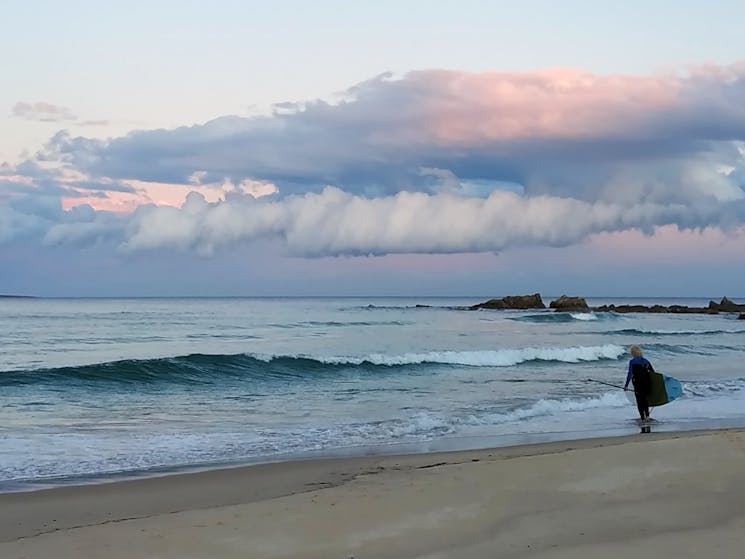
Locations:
(636, 351)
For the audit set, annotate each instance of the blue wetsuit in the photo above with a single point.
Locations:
(639, 370)
(639, 362)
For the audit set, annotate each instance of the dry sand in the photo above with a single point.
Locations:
(653, 495)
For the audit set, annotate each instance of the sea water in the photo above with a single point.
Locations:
(99, 388)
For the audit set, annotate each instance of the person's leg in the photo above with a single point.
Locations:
(641, 402)
(646, 383)
(641, 390)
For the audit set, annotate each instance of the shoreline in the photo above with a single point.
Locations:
(444, 445)
(285, 497)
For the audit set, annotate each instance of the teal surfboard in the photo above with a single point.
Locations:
(662, 390)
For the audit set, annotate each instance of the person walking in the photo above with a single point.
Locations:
(639, 375)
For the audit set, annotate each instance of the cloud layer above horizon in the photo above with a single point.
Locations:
(430, 162)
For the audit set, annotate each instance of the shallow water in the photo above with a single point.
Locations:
(100, 387)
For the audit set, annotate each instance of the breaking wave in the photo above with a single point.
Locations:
(209, 369)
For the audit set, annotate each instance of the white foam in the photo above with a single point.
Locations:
(39, 455)
(553, 407)
(586, 316)
(483, 358)
(712, 388)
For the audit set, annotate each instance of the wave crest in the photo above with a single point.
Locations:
(210, 369)
(487, 358)
(555, 317)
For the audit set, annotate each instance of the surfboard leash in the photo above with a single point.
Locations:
(613, 385)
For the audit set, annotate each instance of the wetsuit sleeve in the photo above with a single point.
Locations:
(628, 376)
(651, 368)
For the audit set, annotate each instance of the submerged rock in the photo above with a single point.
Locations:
(513, 302)
(570, 304)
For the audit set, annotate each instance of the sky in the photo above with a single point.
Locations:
(218, 148)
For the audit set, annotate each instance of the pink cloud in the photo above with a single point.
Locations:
(117, 202)
(18, 179)
(496, 126)
(471, 108)
(41, 111)
(455, 108)
(164, 194)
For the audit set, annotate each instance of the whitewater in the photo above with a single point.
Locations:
(93, 389)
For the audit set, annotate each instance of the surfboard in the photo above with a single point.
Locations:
(662, 390)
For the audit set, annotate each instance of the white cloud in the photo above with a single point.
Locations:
(335, 222)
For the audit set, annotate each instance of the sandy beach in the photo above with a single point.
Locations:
(660, 495)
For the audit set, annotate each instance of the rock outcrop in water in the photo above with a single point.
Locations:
(570, 304)
(519, 302)
(674, 309)
(579, 304)
(725, 305)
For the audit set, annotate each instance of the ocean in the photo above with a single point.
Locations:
(97, 389)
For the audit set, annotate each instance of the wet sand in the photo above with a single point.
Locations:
(659, 495)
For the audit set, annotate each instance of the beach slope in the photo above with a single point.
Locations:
(657, 495)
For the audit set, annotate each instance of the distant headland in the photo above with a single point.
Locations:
(579, 304)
